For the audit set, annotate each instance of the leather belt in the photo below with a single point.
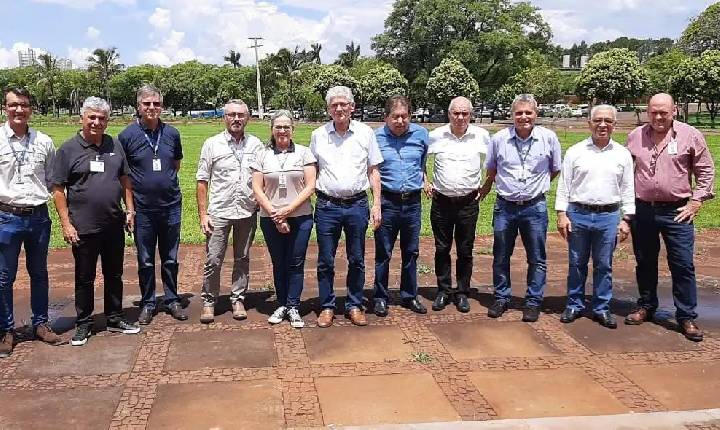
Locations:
(21, 210)
(342, 200)
(400, 197)
(458, 199)
(598, 208)
(523, 202)
(671, 205)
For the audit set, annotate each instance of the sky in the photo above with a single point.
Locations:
(172, 31)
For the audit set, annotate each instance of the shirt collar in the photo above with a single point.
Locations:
(389, 133)
(469, 132)
(230, 139)
(142, 126)
(9, 132)
(610, 146)
(514, 135)
(291, 148)
(330, 127)
(87, 144)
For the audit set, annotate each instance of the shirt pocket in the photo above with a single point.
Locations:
(538, 163)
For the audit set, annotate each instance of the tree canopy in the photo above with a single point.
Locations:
(612, 76)
(703, 33)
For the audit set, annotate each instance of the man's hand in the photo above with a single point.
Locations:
(687, 213)
(70, 234)
(564, 225)
(130, 222)
(375, 217)
(283, 227)
(428, 188)
(483, 192)
(623, 230)
(280, 215)
(205, 225)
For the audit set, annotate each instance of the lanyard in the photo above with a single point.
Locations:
(147, 139)
(239, 157)
(520, 153)
(19, 156)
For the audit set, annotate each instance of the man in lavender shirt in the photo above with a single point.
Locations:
(668, 154)
(522, 160)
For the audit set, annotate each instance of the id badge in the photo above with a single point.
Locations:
(157, 165)
(672, 147)
(97, 165)
(282, 181)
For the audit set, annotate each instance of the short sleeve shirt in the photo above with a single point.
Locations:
(31, 157)
(153, 189)
(458, 160)
(274, 164)
(93, 197)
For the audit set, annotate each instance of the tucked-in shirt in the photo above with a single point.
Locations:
(225, 165)
(273, 163)
(524, 167)
(595, 176)
(93, 198)
(458, 166)
(25, 165)
(153, 190)
(662, 176)
(404, 158)
(343, 161)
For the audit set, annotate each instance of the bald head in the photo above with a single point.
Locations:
(661, 111)
(460, 112)
(460, 102)
(662, 98)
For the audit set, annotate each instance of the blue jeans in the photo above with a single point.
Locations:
(531, 221)
(287, 252)
(161, 228)
(594, 232)
(403, 218)
(647, 226)
(330, 220)
(33, 232)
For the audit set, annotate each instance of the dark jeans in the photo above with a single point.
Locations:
(594, 232)
(287, 252)
(454, 218)
(647, 226)
(330, 220)
(403, 218)
(110, 246)
(33, 233)
(160, 228)
(531, 221)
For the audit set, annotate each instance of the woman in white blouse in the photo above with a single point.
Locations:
(283, 181)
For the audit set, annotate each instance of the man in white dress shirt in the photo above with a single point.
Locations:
(348, 156)
(596, 184)
(460, 150)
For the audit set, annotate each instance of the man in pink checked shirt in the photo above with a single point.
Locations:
(668, 155)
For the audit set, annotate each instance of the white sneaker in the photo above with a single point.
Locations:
(278, 315)
(295, 319)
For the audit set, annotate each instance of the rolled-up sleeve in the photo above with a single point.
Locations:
(204, 163)
(563, 185)
(703, 170)
(627, 186)
(556, 151)
(374, 155)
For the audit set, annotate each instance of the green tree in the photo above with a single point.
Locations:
(104, 63)
(47, 80)
(124, 85)
(350, 56)
(234, 83)
(660, 68)
(703, 33)
(188, 86)
(328, 76)
(699, 79)
(542, 80)
(382, 82)
(73, 87)
(314, 54)
(449, 80)
(233, 58)
(612, 76)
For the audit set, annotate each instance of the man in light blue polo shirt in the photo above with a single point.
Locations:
(404, 148)
(522, 160)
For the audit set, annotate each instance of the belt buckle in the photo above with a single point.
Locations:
(521, 202)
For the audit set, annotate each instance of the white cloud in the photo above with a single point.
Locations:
(620, 5)
(160, 18)
(568, 27)
(9, 56)
(78, 56)
(92, 33)
(169, 51)
(86, 4)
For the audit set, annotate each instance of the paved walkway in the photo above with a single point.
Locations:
(442, 368)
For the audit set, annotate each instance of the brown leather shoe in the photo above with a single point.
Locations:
(239, 312)
(44, 333)
(357, 316)
(6, 344)
(208, 314)
(691, 330)
(639, 316)
(325, 319)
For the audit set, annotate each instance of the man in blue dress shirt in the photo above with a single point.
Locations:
(404, 148)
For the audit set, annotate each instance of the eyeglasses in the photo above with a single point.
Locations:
(149, 104)
(232, 115)
(14, 106)
(599, 121)
(341, 105)
(282, 127)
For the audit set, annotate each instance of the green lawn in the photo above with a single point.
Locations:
(193, 136)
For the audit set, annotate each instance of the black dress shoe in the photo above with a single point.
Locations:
(381, 307)
(441, 300)
(569, 315)
(462, 304)
(176, 311)
(531, 313)
(414, 305)
(497, 309)
(606, 319)
(146, 315)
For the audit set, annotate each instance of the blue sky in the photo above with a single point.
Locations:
(171, 31)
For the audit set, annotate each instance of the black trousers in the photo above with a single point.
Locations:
(109, 245)
(454, 218)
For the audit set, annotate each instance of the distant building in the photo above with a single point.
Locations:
(64, 64)
(26, 58)
(566, 61)
(583, 60)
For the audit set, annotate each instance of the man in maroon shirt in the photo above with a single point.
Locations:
(668, 154)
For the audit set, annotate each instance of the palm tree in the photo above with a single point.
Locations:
(104, 64)
(47, 71)
(314, 53)
(350, 56)
(233, 58)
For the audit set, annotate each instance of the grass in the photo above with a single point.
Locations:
(193, 136)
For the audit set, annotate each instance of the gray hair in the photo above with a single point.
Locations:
(95, 103)
(148, 89)
(237, 102)
(280, 114)
(339, 91)
(611, 108)
(524, 98)
(460, 99)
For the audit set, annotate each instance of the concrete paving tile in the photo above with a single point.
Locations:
(104, 354)
(221, 349)
(647, 337)
(684, 386)
(493, 338)
(356, 344)
(82, 408)
(391, 399)
(245, 405)
(544, 393)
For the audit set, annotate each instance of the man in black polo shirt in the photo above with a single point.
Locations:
(153, 154)
(93, 169)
